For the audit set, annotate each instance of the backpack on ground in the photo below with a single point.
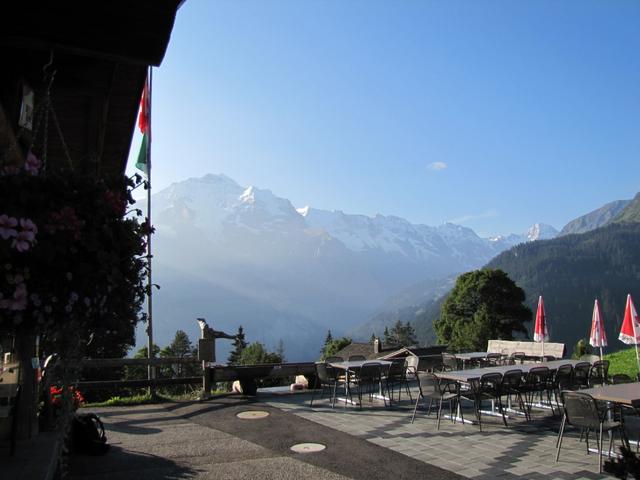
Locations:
(88, 434)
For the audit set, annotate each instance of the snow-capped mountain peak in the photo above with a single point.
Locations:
(541, 231)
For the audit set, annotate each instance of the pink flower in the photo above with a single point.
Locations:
(7, 226)
(19, 301)
(28, 226)
(32, 164)
(26, 237)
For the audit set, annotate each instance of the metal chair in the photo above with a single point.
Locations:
(562, 380)
(492, 360)
(599, 373)
(430, 387)
(581, 375)
(537, 383)
(518, 357)
(326, 378)
(619, 378)
(486, 388)
(397, 376)
(510, 386)
(581, 410)
(449, 362)
(368, 379)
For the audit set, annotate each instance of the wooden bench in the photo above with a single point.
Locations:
(530, 349)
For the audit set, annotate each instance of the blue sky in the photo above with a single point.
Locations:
(491, 114)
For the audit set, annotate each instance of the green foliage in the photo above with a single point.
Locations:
(401, 334)
(581, 348)
(139, 372)
(571, 271)
(484, 304)
(239, 344)
(334, 347)
(256, 353)
(623, 361)
(181, 347)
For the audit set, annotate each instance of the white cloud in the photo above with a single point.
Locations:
(437, 166)
(492, 212)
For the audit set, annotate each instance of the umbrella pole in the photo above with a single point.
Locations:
(543, 350)
(601, 353)
(637, 358)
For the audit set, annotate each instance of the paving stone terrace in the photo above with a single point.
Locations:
(523, 450)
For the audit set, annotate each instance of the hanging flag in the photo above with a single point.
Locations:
(598, 337)
(144, 123)
(630, 331)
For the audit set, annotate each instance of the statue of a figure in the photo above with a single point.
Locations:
(209, 333)
(208, 352)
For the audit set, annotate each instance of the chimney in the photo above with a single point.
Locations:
(376, 345)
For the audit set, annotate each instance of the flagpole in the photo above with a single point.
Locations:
(150, 353)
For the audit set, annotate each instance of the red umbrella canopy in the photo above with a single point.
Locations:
(540, 332)
(630, 331)
(598, 337)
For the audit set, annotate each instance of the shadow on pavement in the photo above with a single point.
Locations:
(126, 465)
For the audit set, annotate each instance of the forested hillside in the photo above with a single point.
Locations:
(571, 271)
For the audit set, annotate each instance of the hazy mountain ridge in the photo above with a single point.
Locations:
(327, 270)
(595, 219)
(630, 213)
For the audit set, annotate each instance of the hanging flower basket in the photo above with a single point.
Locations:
(71, 260)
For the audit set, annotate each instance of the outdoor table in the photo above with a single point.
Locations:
(470, 356)
(627, 394)
(474, 374)
(348, 367)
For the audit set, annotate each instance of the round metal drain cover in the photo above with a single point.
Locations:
(252, 414)
(308, 447)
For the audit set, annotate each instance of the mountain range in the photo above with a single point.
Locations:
(243, 256)
(594, 256)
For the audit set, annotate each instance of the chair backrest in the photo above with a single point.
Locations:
(428, 383)
(397, 369)
(599, 370)
(428, 363)
(563, 376)
(493, 359)
(512, 378)
(369, 371)
(490, 382)
(357, 358)
(518, 356)
(581, 409)
(537, 377)
(581, 371)
(621, 378)
(334, 359)
(325, 373)
(449, 361)
(548, 358)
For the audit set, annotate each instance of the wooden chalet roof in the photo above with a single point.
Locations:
(101, 51)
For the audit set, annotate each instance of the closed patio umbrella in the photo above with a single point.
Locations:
(630, 331)
(598, 337)
(540, 331)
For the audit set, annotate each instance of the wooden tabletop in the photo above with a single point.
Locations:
(624, 393)
(476, 373)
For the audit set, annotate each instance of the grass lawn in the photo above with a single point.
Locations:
(623, 361)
